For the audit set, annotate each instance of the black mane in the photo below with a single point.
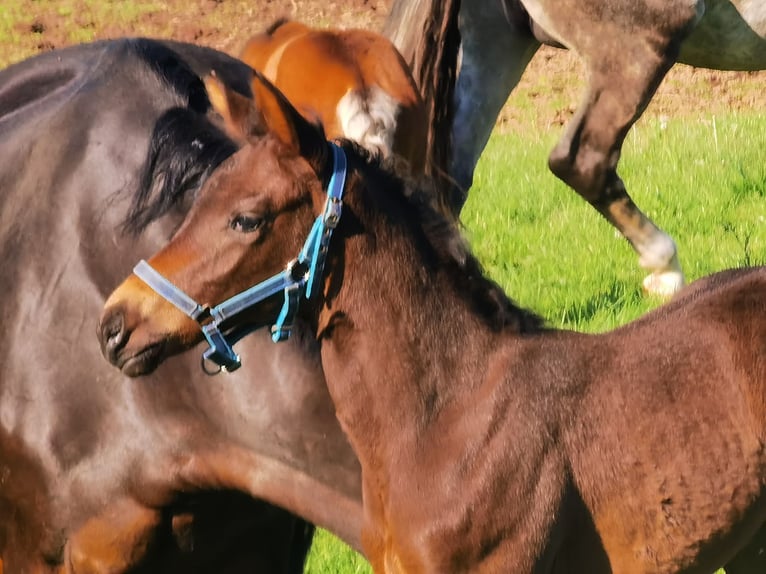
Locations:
(419, 203)
(184, 150)
(185, 147)
(174, 71)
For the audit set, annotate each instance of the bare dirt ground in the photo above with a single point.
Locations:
(545, 98)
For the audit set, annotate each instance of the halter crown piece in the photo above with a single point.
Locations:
(301, 278)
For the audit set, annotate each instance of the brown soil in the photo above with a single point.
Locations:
(545, 98)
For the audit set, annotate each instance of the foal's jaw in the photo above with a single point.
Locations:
(137, 338)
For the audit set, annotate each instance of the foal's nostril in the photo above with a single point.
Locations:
(112, 334)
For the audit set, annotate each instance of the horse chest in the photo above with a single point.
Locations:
(474, 517)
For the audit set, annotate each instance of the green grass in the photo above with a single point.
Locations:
(702, 180)
(330, 556)
(27, 27)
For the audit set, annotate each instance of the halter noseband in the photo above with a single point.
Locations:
(301, 277)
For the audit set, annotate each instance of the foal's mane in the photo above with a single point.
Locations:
(417, 202)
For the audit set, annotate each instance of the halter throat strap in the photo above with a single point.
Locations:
(301, 278)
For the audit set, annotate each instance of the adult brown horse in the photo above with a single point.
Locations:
(354, 81)
(488, 443)
(627, 48)
(173, 475)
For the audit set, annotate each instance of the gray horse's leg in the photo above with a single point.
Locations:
(586, 159)
(626, 61)
(495, 52)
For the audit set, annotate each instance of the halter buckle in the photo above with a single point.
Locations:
(283, 326)
(332, 212)
(220, 352)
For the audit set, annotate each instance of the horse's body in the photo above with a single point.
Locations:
(99, 474)
(627, 48)
(354, 81)
(488, 443)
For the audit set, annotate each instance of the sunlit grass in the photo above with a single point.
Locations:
(27, 27)
(330, 556)
(702, 181)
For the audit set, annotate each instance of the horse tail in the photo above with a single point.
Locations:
(369, 118)
(426, 34)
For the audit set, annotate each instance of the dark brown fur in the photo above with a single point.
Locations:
(97, 474)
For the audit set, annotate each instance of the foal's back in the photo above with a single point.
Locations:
(354, 81)
(670, 427)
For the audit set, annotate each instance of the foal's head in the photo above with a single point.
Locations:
(249, 220)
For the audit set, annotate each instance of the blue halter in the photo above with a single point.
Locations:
(301, 277)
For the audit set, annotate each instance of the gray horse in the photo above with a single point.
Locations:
(627, 47)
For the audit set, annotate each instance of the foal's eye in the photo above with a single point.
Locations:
(245, 223)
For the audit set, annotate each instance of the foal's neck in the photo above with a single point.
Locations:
(403, 342)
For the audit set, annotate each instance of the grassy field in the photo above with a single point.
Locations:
(702, 180)
(28, 27)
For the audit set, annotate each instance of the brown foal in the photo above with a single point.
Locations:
(488, 443)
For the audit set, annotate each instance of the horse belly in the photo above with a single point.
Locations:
(686, 535)
(730, 36)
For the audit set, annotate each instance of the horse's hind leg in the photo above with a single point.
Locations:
(752, 558)
(586, 159)
(625, 68)
(495, 52)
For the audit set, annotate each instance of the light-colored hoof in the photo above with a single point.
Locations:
(664, 283)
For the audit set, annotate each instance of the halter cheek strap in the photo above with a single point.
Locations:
(301, 277)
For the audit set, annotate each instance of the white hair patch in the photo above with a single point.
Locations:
(369, 119)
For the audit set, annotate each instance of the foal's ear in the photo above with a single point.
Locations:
(241, 118)
(288, 125)
(268, 112)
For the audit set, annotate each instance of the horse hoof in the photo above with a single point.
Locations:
(664, 284)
